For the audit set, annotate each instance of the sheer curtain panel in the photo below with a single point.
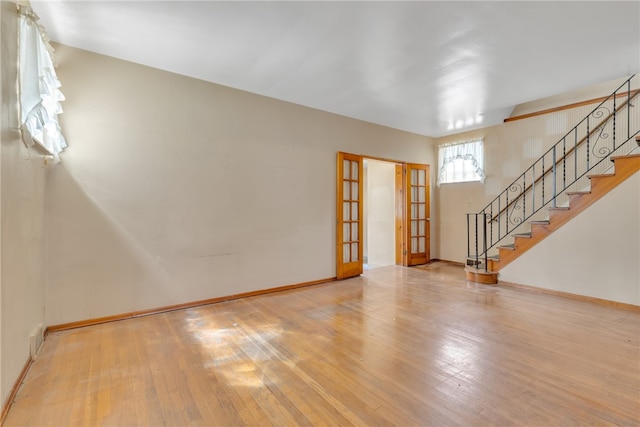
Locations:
(40, 94)
(461, 162)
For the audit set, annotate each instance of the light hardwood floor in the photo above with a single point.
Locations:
(396, 346)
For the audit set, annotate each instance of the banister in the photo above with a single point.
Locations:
(511, 208)
(564, 156)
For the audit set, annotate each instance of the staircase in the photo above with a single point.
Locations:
(571, 176)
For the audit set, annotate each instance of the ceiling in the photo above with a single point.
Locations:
(431, 68)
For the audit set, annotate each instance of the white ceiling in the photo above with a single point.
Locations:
(417, 66)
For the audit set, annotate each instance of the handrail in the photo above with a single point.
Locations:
(559, 168)
(571, 150)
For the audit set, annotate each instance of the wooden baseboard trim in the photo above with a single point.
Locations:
(165, 309)
(14, 390)
(621, 305)
(456, 263)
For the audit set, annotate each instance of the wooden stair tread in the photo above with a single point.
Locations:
(523, 235)
(627, 156)
(577, 193)
(601, 175)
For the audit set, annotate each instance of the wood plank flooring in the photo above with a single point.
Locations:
(396, 346)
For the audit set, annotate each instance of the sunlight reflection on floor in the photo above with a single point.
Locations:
(225, 348)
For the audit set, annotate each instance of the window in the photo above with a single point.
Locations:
(40, 93)
(461, 162)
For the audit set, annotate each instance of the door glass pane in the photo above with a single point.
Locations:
(414, 177)
(421, 228)
(414, 211)
(414, 245)
(354, 211)
(414, 228)
(346, 169)
(354, 190)
(354, 171)
(345, 211)
(354, 232)
(422, 177)
(345, 190)
(346, 253)
(354, 252)
(345, 232)
(421, 193)
(421, 247)
(414, 194)
(421, 212)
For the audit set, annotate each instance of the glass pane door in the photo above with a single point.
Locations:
(349, 216)
(418, 216)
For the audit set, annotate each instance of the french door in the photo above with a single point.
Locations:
(417, 214)
(349, 248)
(412, 215)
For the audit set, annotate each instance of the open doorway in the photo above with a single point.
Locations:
(379, 216)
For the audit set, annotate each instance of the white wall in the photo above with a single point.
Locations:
(175, 190)
(595, 254)
(380, 194)
(22, 257)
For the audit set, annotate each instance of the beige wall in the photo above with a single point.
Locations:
(175, 190)
(22, 259)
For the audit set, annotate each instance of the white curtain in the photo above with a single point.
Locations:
(40, 94)
(461, 162)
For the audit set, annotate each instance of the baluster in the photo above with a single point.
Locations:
(476, 264)
(491, 222)
(564, 163)
(553, 176)
(542, 176)
(533, 187)
(484, 241)
(524, 194)
(507, 209)
(614, 123)
(588, 140)
(575, 155)
(499, 219)
(468, 238)
(629, 108)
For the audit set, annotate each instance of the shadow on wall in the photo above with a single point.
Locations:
(94, 267)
